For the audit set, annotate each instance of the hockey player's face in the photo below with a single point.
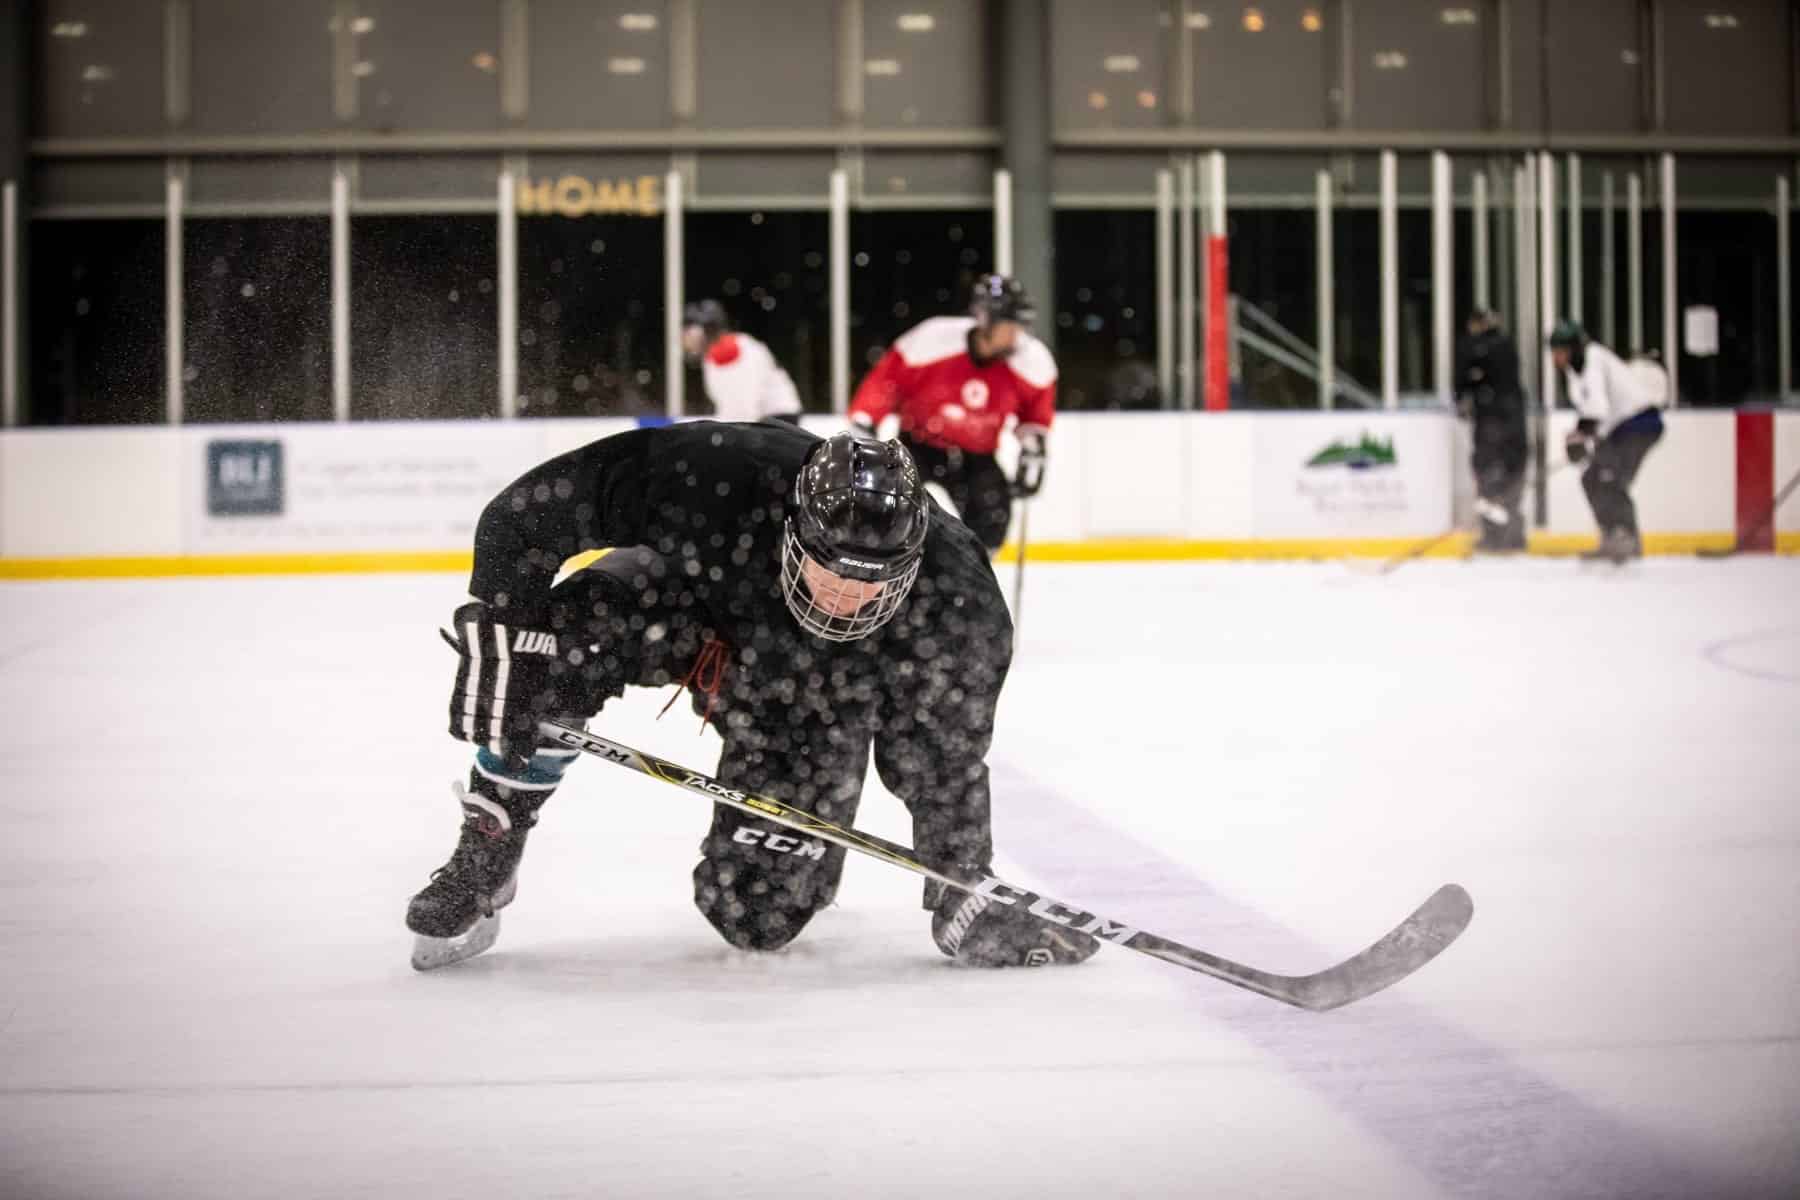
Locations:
(837, 596)
(693, 341)
(998, 339)
(1560, 356)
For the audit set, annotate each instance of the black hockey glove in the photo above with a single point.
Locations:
(981, 932)
(1580, 442)
(509, 679)
(1030, 475)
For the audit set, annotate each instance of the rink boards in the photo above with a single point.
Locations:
(1121, 486)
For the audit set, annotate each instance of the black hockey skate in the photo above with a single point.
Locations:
(457, 915)
(1618, 546)
(1502, 530)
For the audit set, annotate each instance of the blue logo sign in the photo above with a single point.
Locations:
(244, 479)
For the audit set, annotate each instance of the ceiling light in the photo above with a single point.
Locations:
(1390, 60)
(1457, 16)
(882, 66)
(363, 70)
(625, 66)
(1146, 99)
(917, 22)
(1199, 20)
(484, 61)
(1253, 20)
(1096, 99)
(1721, 20)
(637, 22)
(1311, 21)
(96, 73)
(69, 29)
(1121, 64)
(363, 25)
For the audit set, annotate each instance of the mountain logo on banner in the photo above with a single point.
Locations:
(1368, 453)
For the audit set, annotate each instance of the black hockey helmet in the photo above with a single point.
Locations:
(708, 315)
(1000, 298)
(858, 511)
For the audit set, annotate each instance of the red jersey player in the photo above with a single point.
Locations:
(954, 382)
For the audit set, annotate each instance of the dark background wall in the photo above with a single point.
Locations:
(15, 43)
(282, 67)
(255, 102)
(15, 131)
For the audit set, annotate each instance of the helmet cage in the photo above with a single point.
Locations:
(869, 617)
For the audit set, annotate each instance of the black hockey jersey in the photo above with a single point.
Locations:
(700, 507)
(1487, 373)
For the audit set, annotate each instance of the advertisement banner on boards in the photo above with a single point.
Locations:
(416, 486)
(1370, 475)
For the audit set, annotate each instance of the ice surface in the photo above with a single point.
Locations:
(220, 794)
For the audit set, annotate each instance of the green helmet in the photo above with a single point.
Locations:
(1567, 335)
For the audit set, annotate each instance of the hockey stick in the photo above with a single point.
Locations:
(1388, 565)
(1019, 567)
(1409, 946)
(1423, 548)
(1762, 522)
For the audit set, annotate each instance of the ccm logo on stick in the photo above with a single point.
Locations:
(781, 843)
(576, 740)
(1053, 911)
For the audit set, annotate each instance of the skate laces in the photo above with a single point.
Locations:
(474, 850)
(706, 675)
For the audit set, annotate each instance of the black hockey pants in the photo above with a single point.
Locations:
(1617, 457)
(976, 485)
(1498, 461)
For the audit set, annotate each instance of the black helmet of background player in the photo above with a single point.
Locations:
(1483, 321)
(702, 321)
(1001, 310)
(1568, 345)
(854, 536)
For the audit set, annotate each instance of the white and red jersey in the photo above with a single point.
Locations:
(744, 382)
(945, 398)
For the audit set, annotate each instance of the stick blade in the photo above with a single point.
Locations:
(1409, 946)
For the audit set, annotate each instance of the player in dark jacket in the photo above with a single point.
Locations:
(816, 601)
(1487, 386)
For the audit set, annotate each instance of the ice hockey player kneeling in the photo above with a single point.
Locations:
(815, 601)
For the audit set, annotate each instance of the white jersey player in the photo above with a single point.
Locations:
(743, 380)
(1618, 425)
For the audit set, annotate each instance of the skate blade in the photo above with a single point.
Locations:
(430, 953)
